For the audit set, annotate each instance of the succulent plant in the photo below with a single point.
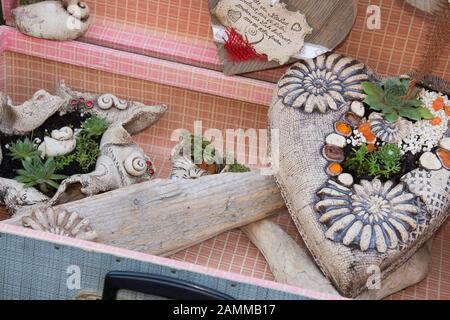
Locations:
(393, 102)
(384, 162)
(95, 127)
(23, 150)
(37, 173)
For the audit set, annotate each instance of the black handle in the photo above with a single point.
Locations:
(157, 285)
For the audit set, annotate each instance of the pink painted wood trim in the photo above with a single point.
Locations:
(127, 254)
(152, 43)
(142, 41)
(141, 67)
(7, 6)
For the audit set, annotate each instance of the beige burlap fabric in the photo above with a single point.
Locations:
(303, 173)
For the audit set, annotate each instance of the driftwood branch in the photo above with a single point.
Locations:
(293, 265)
(162, 217)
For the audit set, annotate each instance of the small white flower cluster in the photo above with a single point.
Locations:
(356, 139)
(424, 136)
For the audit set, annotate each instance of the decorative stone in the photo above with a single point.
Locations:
(61, 223)
(372, 215)
(53, 20)
(430, 161)
(184, 168)
(333, 153)
(358, 108)
(343, 128)
(444, 156)
(336, 140)
(346, 179)
(387, 131)
(334, 169)
(323, 84)
(353, 119)
(445, 143)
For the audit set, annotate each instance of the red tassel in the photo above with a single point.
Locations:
(239, 49)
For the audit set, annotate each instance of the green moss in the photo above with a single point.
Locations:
(62, 162)
(87, 151)
(384, 162)
(238, 168)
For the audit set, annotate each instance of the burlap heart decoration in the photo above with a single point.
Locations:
(353, 227)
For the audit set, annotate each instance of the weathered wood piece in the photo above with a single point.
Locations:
(289, 263)
(425, 5)
(162, 217)
(293, 265)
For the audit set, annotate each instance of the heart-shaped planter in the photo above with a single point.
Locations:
(355, 225)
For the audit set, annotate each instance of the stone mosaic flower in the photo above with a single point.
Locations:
(184, 168)
(323, 83)
(390, 132)
(60, 222)
(371, 215)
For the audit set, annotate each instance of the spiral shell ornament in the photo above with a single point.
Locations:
(77, 9)
(387, 131)
(107, 101)
(371, 215)
(61, 222)
(63, 134)
(135, 165)
(323, 83)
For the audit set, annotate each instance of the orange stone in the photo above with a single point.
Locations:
(343, 128)
(371, 147)
(366, 130)
(438, 104)
(211, 168)
(444, 156)
(436, 121)
(335, 169)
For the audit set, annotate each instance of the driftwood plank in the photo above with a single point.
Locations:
(165, 216)
(289, 263)
(293, 265)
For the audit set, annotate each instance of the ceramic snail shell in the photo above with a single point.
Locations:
(61, 142)
(135, 165)
(107, 101)
(62, 134)
(77, 9)
(53, 20)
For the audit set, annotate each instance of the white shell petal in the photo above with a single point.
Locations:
(400, 228)
(333, 213)
(366, 236)
(379, 239)
(352, 232)
(339, 225)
